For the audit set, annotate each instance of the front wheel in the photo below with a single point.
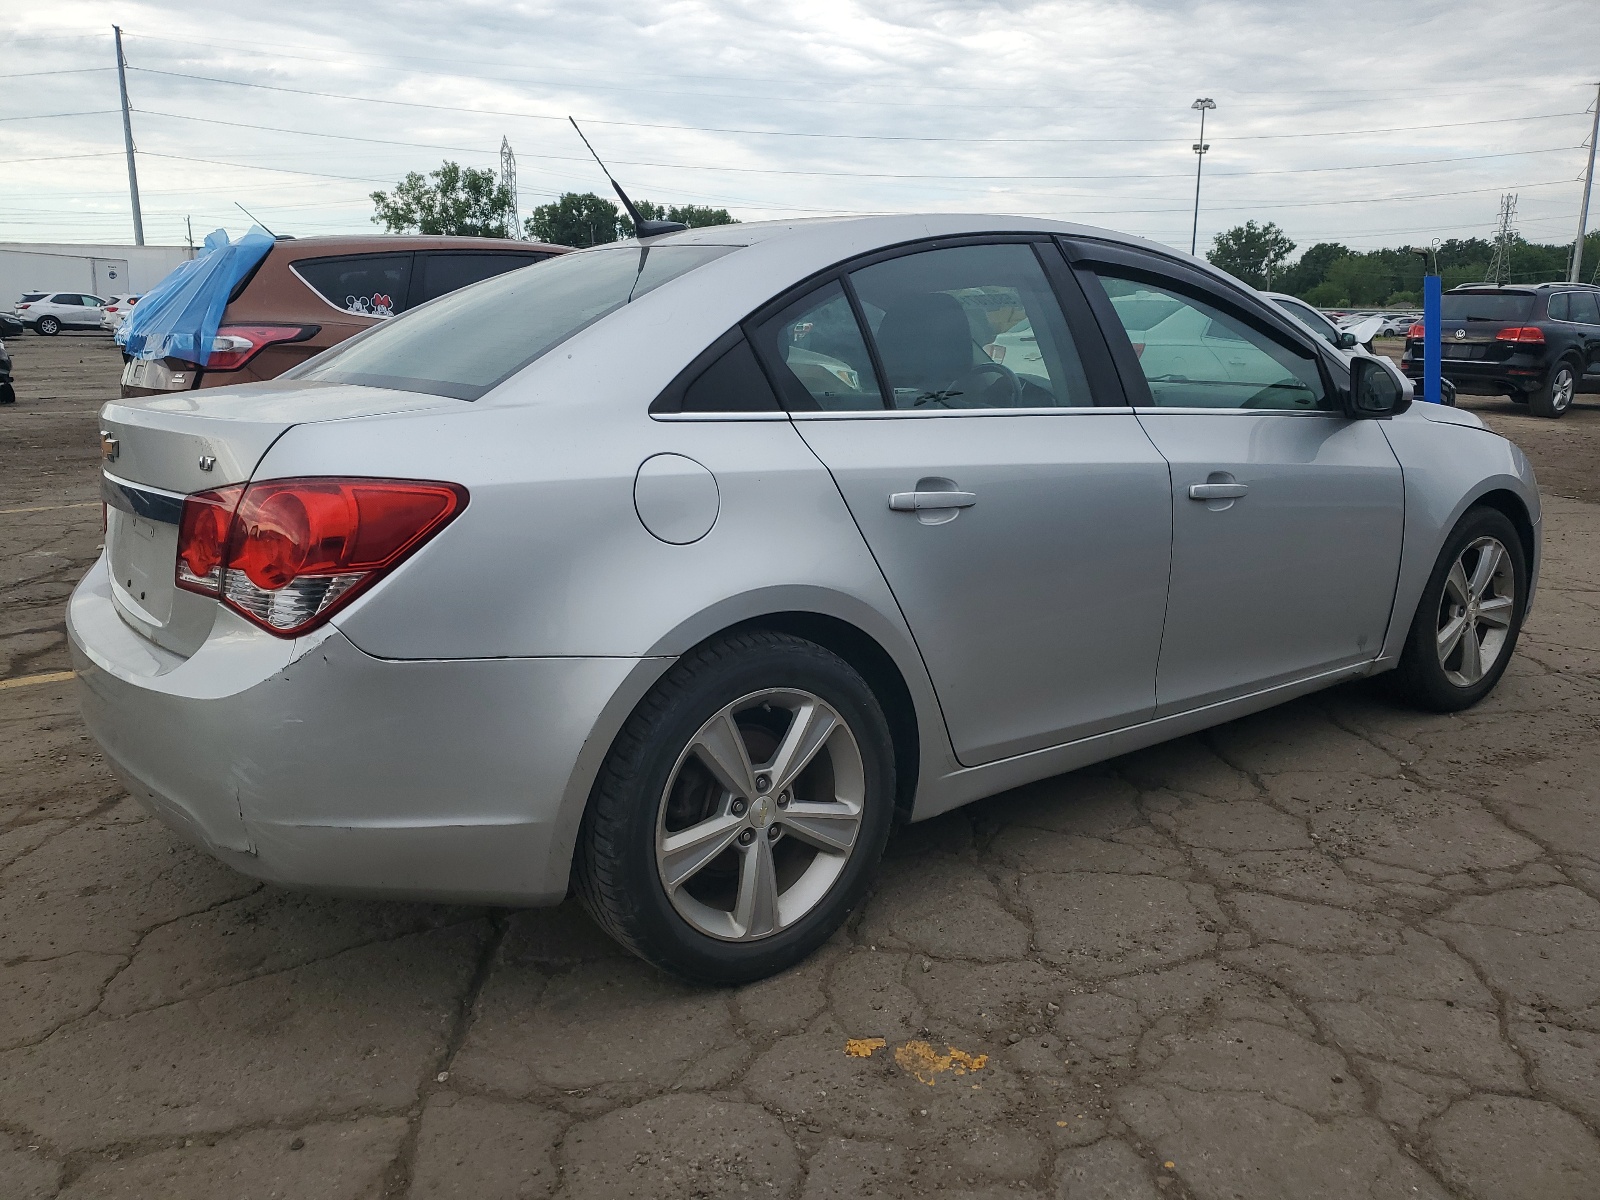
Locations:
(1554, 396)
(1468, 619)
(48, 326)
(738, 817)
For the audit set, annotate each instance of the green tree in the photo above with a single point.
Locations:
(1251, 252)
(1311, 268)
(692, 215)
(462, 202)
(576, 219)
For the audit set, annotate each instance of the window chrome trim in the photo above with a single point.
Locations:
(140, 500)
(752, 415)
(1156, 410)
(923, 414)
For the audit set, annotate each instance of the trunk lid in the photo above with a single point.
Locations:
(156, 450)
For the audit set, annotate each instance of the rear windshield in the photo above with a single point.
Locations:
(1486, 306)
(468, 341)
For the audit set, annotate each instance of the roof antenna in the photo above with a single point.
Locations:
(252, 216)
(642, 228)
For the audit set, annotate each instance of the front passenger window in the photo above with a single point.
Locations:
(1195, 355)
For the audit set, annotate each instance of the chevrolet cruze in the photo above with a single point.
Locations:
(672, 573)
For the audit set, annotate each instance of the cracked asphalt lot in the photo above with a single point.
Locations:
(1340, 950)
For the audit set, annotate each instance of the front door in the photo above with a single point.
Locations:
(1286, 514)
(1024, 531)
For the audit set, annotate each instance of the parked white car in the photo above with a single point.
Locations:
(50, 314)
(116, 311)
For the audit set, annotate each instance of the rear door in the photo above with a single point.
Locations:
(1585, 314)
(1286, 514)
(1017, 510)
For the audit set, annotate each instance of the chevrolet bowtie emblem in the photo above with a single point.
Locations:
(109, 447)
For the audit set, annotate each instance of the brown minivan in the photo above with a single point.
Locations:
(311, 293)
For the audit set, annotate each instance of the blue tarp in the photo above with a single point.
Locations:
(178, 318)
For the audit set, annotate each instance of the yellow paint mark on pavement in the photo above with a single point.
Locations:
(27, 680)
(920, 1060)
(7, 512)
(863, 1047)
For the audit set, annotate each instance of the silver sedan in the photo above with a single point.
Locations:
(674, 573)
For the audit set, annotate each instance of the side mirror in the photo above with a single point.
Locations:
(1374, 390)
(1347, 341)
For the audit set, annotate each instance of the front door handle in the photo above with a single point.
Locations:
(1217, 491)
(922, 501)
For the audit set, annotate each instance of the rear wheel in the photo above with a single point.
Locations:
(739, 815)
(1468, 619)
(1554, 396)
(48, 326)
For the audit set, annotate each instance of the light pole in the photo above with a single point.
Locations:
(1200, 149)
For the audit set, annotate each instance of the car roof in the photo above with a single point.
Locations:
(372, 243)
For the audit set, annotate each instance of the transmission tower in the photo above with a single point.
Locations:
(1500, 264)
(508, 176)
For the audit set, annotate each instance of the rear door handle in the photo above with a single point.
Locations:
(922, 501)
(1217, 491)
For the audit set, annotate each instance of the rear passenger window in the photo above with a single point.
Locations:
(67, 298)
(368, 285)
(817, 346)
(1585, 308)
(971, 327)
(442, 272)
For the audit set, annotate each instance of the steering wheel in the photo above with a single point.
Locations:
(955, 396)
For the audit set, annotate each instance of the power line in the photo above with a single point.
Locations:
(864, 137)
(64, 71)
(853, 174)
(95, 112)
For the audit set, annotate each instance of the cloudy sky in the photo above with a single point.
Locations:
(1367, 123)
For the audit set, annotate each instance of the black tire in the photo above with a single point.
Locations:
(8, 394)
(1553, 397)
(1422, 678)
(1518, 397)
(47, 326)
(615, 871)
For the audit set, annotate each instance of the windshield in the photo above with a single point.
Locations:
(1485, 306)
(466, 342)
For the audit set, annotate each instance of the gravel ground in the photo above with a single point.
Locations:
(1335, 950)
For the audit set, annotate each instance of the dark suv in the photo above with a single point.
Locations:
(1537, 343)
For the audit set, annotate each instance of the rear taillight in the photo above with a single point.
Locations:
(1415, 331)
(236, 345)
(287, 553)
(20, 307)
(1526, 335)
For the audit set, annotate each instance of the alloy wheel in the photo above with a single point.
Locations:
(1475, 611)
(1562, 389)
(760, 814)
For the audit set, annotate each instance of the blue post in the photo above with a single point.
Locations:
(1432, 291)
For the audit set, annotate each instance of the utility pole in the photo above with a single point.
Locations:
(188, 234)
(1588, 185)
(508, 178)
(127, 141)
(1200, 148)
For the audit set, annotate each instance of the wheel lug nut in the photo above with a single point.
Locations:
(738, 807)
(783, 799)
(748, 836)
(763, 782)
(774, 832)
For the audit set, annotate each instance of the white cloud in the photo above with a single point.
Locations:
(1078, 109)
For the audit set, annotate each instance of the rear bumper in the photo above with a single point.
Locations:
(311, 763)
(1519, 372)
